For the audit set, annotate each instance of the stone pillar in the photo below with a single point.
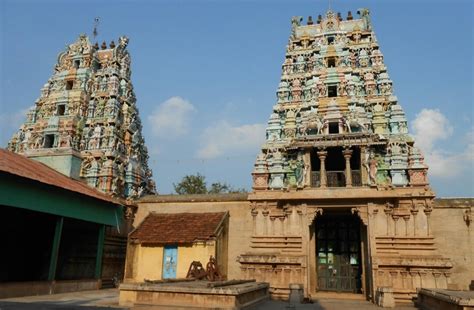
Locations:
(322, 172)
(266, 222)
(55, 248)
(427, 211)
(347, 155)
(100, 252)
(307, 169)
(254, 213)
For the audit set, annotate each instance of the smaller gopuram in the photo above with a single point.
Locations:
(86, 123)
(341, 200)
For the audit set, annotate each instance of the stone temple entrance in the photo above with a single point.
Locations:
(338, 253)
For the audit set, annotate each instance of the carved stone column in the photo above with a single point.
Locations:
(266, 221)
(254, 213)
(311, 215)
(428, 209)
(395, 221)
(322, 172)
(307, 169)
(362, 214)
(414, 212)
(388, 210)
(347, 155)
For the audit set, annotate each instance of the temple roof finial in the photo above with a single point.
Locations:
(96, 25)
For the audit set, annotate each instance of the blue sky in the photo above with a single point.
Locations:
(205, 75)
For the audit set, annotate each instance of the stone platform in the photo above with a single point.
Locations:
(439, 299)
(195, 294)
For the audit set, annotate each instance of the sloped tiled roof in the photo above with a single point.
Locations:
(177, 228)
(30, 169)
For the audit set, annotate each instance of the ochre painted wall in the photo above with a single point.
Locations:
(148, 260)
(149, 263)
(197, 252)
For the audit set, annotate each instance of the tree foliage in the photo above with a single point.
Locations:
(191, 184)
(196, 184)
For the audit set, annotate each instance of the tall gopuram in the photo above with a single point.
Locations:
(341, 200)
(85, 123)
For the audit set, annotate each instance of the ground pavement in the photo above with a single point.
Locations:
(108, 300)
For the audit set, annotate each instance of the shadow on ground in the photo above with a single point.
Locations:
(10, 305)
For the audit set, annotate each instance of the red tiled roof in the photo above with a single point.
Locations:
(177, 228)
(27, 168)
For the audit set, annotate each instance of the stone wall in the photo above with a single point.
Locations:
(410, 244)
(452, 225)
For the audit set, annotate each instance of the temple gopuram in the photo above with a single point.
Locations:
(341, 204)
(86, 124)
(341, 199)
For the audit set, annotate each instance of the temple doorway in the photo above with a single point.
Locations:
(338, 253)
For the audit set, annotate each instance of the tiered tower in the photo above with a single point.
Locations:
(338, 167)
(86, 125)
(335, 92)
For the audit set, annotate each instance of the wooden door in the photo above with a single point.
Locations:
(338, 254)
(170, 259)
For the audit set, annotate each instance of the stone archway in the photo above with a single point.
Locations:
(345, 259)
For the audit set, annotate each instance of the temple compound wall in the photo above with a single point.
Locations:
(399, 243)
(452, 225)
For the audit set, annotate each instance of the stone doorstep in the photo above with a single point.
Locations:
(236, 289)
(335, 295)
(461, 298)
(249, 305)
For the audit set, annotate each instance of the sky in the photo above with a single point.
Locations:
(205, 75)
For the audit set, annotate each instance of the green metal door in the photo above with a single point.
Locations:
(338, 254)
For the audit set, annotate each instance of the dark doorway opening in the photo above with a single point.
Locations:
(331, 62)
(333, 127)
(78, 250)
(26, 247)
(61, 109)
(49, 141)
(69, 85)
(338, 253)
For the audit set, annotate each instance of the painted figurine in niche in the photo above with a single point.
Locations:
(372, 169)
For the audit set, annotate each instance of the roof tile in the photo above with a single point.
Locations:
(27, 168)
(177, 228)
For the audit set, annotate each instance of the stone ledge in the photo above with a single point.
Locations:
(460, 298)
(195, 288)
(195, 198)
(454, 202)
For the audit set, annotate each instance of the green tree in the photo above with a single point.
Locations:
(196, 184)
(218, 187)
(191, 184)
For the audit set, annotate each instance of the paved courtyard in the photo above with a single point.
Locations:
(108, 300)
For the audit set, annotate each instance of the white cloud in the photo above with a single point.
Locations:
(14, 119)
(10, 123)
(223, 138)
(171, 118)
(431, 126)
